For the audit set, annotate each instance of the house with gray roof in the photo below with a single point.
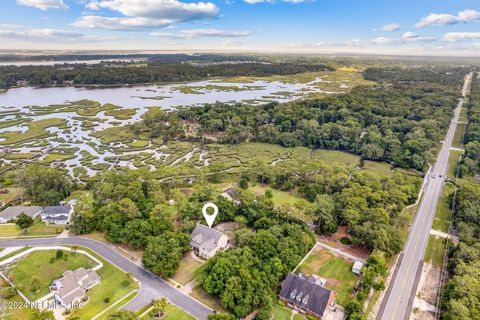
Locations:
(11, 213)
(71, 289)
(206, 241)
(56, 214)
(231, 194)
(307, 295)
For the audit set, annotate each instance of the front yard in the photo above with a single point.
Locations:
(186, 270)
(46, 267)
(38, 228)
(172, 312)
(336, 270)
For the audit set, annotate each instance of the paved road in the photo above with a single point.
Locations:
(397, 302)
(151, 285)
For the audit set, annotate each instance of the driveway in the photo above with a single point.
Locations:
(151, 285)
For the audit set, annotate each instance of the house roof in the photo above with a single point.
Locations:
(74, 283)
(357, 265)
(56, 210)
(13, 212)
(57, 218)
(205, 237)
(301, 291)
(233, 193)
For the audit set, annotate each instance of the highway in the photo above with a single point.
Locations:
(398, 300)
(151, 285)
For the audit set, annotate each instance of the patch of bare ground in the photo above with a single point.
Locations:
(427, 293)
(229, 229)
(334, 241)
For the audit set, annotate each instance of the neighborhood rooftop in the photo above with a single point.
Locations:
(13, 212)
(305, 292)
(57, 209)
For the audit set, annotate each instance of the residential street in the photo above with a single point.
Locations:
(151, 285)
(398, 301)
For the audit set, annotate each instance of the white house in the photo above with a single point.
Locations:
(56, 214)
(72, 287)
(357, 267)
(207, 241)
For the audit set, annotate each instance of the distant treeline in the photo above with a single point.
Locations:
(400, 122)
(106, 74)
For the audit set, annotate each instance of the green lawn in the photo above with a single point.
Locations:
(37, 229)
(172, 312)
(118, 306)
(435, 251)
(281, 312)
(458, 137)
(38, 264)
(336, 270)
(207, 299)
(442, 215)
(186, 270)
(13, 193)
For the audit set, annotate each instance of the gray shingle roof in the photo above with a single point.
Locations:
(56, 210)
(305, 293)
(13, 212)
(205, 237)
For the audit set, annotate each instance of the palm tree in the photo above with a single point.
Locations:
(35, 283)
(159, 305)
(74, 250)
(129, 278)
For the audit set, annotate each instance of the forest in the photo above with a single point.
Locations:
(471, 161)
(121, 74)
(462, 292)
(399, 123)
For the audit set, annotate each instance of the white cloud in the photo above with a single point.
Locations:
(139, 14)
(461, 36)
(388, 27)
(196, 33)
(44, 4)
(464, 16)
(386, 41)
(120, 23)
(412, 36)
(47, 34)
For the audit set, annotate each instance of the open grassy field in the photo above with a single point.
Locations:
(38, 228)
(45, 267)
(186, 270)
(36, 129)
(442, 215)
(336, 270)
(435, 251)
(458, 137)
(13, 253)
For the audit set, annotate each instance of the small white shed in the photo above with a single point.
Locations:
(357, 267)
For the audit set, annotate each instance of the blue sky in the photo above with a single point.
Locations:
(450, 27)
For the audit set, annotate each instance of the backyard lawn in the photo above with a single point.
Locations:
(46, 267)
(38, 228)
(186, 270)
(336, 270)
(281, 312)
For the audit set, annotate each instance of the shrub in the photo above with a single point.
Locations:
(7, 292)
(243, 183)
(345, 241)
(106, 299)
